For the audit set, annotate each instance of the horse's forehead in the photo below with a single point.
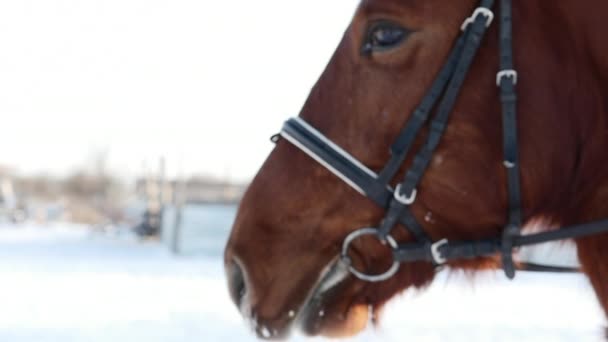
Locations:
(387, 5)
(409, 8)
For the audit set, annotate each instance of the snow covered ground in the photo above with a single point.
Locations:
(63, 283)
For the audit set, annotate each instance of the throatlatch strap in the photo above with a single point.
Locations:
(506, 80)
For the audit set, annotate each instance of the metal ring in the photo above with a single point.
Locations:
(367, 277)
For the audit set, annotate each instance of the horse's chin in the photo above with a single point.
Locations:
(323, 313)
(346, 324)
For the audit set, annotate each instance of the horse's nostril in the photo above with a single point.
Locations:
(236, 283)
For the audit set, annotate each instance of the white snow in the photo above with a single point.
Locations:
(62, 283)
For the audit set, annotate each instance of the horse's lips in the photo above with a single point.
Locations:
(333, 274)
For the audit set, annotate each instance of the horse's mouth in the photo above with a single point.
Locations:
(319, 314)
(312, 310)
(322, 311)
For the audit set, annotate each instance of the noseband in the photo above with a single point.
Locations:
(397, 201)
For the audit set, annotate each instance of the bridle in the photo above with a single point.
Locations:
(442, 97)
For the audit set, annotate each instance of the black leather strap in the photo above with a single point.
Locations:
(572, 232)
(404, 142)
(507, 81)
(532, 267)
(448, 251)
(321, 149)
(458, 250)
(472, 37)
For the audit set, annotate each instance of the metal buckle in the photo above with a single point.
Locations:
(479, 10)
(437, 257)
(405, 199)
(367, 277)
(506, 73)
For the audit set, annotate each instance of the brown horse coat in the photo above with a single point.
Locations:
(295, 214)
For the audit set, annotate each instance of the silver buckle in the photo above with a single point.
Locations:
(479, 10)
(405, 199)
(437, 258)
(506, 73)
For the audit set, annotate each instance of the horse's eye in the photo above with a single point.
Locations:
(383, 36)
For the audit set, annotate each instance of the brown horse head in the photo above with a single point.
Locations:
(281, 259)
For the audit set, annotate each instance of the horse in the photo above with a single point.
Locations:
(296, 256)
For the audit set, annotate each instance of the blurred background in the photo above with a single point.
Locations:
(129, 130)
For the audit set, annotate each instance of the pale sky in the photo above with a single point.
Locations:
(204, 83)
